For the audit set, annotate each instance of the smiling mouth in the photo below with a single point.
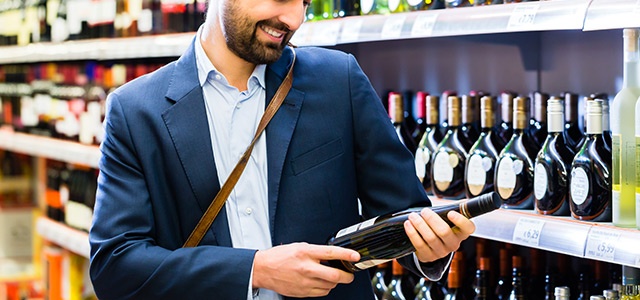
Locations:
(272, 32)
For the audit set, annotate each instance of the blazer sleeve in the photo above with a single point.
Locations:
(126, 262)
(387, 180)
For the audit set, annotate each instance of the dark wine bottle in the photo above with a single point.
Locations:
(606, 123)
(394, 289)
(345, 8)
(535, 283)
(503, 288)
(421, 116)
(552, 166)
(481, 284)
(396, 113)
(449, 161)
(590, 189)
(383, 238)
(444, 126)
(573, 133)
(468, 113)
(505, 129)
(518, 280)
(514, 170)
(538, 122)
(454, 278)
(428, 144)
(483, 155)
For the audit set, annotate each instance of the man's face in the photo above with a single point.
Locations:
(258, 31)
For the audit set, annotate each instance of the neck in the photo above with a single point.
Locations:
(236, 70)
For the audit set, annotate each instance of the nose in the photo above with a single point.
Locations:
(293, 14)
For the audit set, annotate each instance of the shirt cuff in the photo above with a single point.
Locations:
(435, 269)
(252, 293)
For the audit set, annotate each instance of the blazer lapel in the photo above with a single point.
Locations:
(188, 127)
(280, 129)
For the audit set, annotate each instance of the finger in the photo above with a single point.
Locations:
(439, 226)
(321, 252)
(331, 276)
(465, 226)
(422, 248)
(430, 237)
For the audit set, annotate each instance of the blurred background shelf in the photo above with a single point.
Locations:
(64, 236)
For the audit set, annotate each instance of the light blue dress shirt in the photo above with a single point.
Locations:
(233, 118)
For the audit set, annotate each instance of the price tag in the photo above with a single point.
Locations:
(601, 244)
(351, 30)
(392, 27)
(423, 25)
(327, 34)
(522, 16)
(528, 231)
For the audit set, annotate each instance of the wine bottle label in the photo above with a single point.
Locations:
(540, 181)
(393, 4)
(78, 215)
(506, 177)
(443, 166)
(145, 20)
(423, 155)
(363, 265)
(477, 173)
(28, 113)
(579, 186)
(366, 6)
(356, 227)
(414, 2)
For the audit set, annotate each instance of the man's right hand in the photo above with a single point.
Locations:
(295, 270)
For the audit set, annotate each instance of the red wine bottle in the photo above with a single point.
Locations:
(396, 113)
(383, 238)
(428, 144)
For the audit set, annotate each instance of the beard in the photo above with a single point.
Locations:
(240, 35)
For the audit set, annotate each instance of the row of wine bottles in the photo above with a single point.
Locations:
(544, 160)
(25, 22)
(70, 194)
(62, 100)
(16, 177)
(509, 273)
(329, 9)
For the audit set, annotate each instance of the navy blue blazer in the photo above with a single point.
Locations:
(329, 144)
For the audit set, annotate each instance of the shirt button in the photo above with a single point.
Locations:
(248, 211)
(218, 77)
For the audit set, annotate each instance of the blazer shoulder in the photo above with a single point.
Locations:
(323, 58)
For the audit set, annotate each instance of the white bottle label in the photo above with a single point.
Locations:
(356, 227)
(370, 263)
(540, 181)
(506, 178)
(477, 173)
(145, 20)
(443, 170)
(366, 6)
(579, 186)
(393, 4)
(422, 157)
(414, 2)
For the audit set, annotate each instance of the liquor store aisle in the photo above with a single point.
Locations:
(522, 99)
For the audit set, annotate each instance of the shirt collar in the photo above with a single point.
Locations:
(205, 67)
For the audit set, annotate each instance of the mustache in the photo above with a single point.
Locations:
(275, 24)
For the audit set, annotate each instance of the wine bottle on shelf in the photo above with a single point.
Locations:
(562, 293)
(444, 126)
(481, 283)
(468, 112)
(55, 208)
(623, 139)
(598, 285)
(345, 8)
(611, 294)
(101, 19)
(483, 155)
(505, 129)
(396, 113)
(606, 121)
(584, 283)
(590, 182)
(449, 161)
(173, 15)
(457, 3)
(374, 7)
(503, 288)
(320, 10)
(518, 280)
(379, 280)
(394, 289)
(534, 286)
(428, 144)
(398, 6)
(538, 121)
(552, 166)
(572, 132)
(514, 170)
(421, 117)
(383, 238)
(486, 2)
(423, 290)
(454, 278)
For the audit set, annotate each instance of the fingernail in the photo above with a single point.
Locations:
(355, 256)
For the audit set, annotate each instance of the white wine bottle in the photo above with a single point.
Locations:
(383, 238)
(623, 138)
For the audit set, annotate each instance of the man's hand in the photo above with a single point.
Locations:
(432, 237)
(294, 270)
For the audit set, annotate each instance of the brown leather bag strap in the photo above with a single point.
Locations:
(218, 202)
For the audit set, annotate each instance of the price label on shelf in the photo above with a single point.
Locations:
(528, 231)
(300, 37)
(351, 30)
(392, 27)
(423, 25)
(522, 16)
(637, 8)
(601, 244)
(326, 33)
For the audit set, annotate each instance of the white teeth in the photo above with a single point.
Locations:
(271, 32)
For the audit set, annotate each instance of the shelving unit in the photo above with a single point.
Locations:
(558, 234)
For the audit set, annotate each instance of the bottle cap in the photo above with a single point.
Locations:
(485, 264)
(540, 103)
(480, 204)
(570, 107)
(520, 112)
(396, 110)
(453, 105)
(432, 109)
(507, 106)
(486, 112)
(562, 291)
(597, 297)
(421, 112)
(467, 109)
(516, 261)
(610, 294)
(396, 268)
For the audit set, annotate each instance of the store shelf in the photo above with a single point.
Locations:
(600, 241)
(56, 149)
(611, 14)
(171, 45)
(64, 236)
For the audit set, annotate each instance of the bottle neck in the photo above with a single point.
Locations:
(594, 124)
(555, 122)
(631, 58)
